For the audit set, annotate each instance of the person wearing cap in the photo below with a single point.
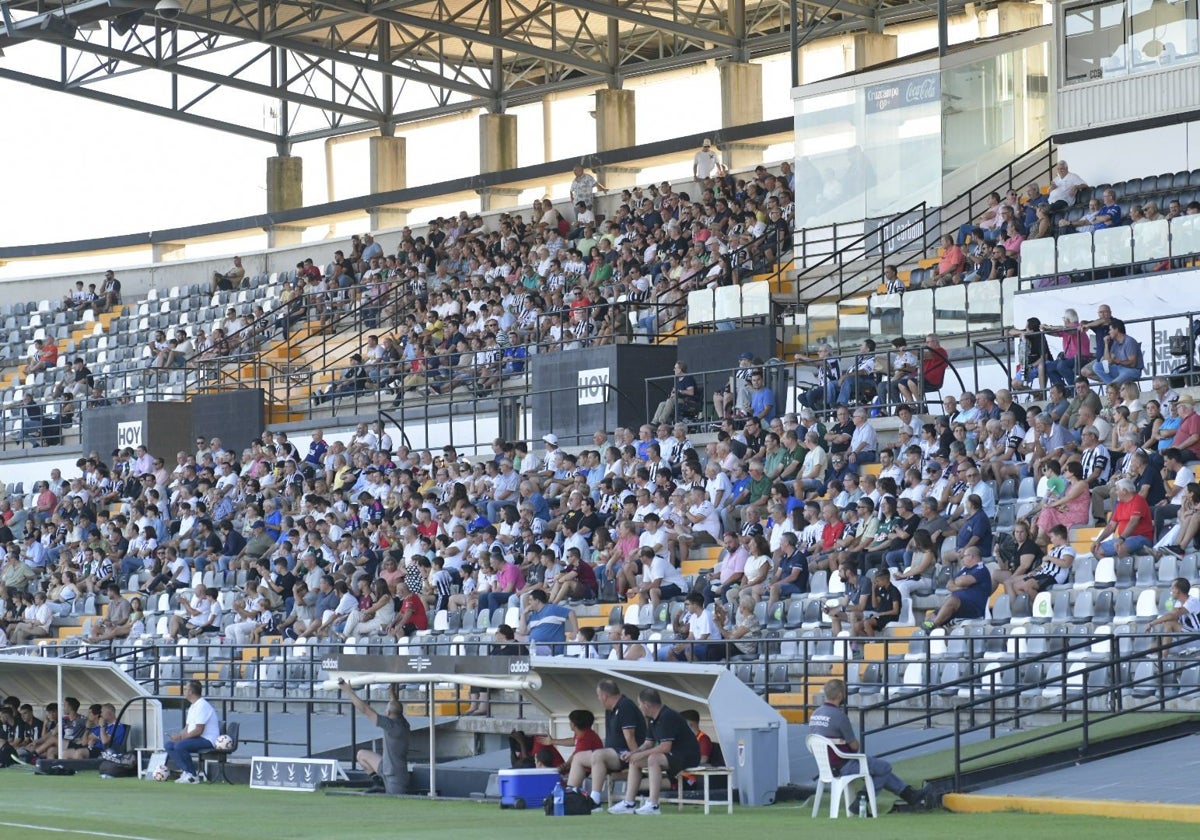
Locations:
(737, 392)
(551, 463)
(707, 162)
(1187, 436)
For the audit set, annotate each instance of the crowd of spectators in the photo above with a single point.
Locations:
(366, 538)
(988, 246)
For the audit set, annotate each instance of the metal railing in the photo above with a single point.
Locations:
(855, 267)
(875, 391)
(1153, 334)
(979, 682)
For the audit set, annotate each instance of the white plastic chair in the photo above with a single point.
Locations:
(839, 786)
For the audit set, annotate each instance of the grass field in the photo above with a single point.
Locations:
(87, 806)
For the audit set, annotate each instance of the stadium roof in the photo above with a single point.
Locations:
(307, 70)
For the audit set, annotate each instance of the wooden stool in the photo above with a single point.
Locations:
(707, 773)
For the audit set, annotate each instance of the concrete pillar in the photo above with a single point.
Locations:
(1015, 16)
(741, 104)
(497, 142)
(388, 172)
(497, 153)
(497, 198)
(871, 48)
(616, 128)
(824, 58)
(166, 251)
(285, 191)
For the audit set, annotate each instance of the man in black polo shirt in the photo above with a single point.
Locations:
(624, 730)
(670, 745)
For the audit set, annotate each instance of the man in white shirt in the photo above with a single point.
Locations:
(198, 735)
(700, 628)
(702, 514)
(1066, 185)
(36, 623)
(864, 443)
(707, 161)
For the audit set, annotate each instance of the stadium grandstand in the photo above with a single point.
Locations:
(907, 420)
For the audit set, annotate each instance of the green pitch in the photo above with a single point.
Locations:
(86, 806)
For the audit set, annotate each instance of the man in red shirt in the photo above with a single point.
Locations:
(1187, 437)
(411, 617)
(1131, 528)
(584, 739)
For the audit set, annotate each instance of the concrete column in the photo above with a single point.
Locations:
(285, 191)
(1015, 16)
(388, 172)
(166, 251)
(497, 153)
(824, 58)
(871, 48)
(741, 104)
(497, 198)
(616, 124)
(497, 142)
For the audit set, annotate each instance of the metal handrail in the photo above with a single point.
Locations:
(930, 222)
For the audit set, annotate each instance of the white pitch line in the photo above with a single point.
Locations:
(76, 831)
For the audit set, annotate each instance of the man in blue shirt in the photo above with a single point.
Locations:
(762, 398)
(544, 625)
(969, 591)
(1110, 212)
(1122, 354)
(1033, 200)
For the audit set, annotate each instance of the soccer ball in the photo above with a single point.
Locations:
(224, 743)
(162, 773)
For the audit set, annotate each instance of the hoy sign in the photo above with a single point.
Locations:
(593, 386)
(129, 434)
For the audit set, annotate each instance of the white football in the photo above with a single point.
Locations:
(162, 773)
(224, 743)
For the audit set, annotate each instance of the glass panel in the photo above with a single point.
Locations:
(887, 315)
(700, 306)
(979, 111)
(1113, 246)
(1037, 257)
(1095, 41)
(1162, 33)
(1185, 235)
(902, 142)
(950, 309)
(1151, 240)
(829, 156)
(983, 302)
(1112, 38)
(1075, 252)
(728, 303)
(756, 299)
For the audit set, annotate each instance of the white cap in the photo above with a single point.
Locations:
(550, 438)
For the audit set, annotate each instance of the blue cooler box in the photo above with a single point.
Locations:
(526, 788)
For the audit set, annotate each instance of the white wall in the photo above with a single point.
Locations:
(1135, 154)
(1159, 296)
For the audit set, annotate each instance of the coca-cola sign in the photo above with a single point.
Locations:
(904, 93)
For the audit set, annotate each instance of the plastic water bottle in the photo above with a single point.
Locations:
(558, 795)
(862, 805)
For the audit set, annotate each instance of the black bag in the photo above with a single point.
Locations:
(575, 804)
(118, 765)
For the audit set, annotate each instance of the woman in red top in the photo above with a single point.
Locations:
(1131, 527)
